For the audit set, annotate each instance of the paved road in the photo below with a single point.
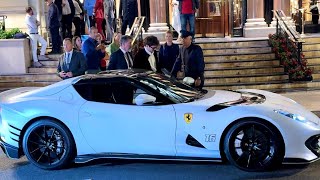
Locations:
(150, 170)
(154, 170)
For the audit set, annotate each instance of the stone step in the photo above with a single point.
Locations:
(234, 44)
(50, 63)
(316, 75)
(311, 54)
(219, 58)
(315, 67)
(30, 77)
(54, 56)
(9, 84)
(310, 47)
(312, 61)
(221, 65)
(232, 51)
(46, 69)
(243, 71)
(266, 86)
(312, 40)
(246, 79)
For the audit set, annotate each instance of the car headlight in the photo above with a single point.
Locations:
(296, 117)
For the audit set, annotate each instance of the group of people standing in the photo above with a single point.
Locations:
(91, 55)
(187, 61)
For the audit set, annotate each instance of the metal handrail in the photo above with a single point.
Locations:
(283, 25)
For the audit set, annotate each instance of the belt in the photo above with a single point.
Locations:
(34, 33)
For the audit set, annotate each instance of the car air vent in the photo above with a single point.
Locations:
(217, 107)
(193, 142)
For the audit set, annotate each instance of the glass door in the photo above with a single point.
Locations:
(237, 18)
(212, 19)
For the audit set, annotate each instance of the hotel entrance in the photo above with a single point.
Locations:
(212, 19)
(218, 18)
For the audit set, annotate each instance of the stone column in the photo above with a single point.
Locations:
(283, 5)
(256, 25)
(158, 25)
(255, 9)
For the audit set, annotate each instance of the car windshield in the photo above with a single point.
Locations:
(174, 90)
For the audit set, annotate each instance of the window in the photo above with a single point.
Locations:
(111, 91)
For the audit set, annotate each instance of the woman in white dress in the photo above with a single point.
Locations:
(176, 24)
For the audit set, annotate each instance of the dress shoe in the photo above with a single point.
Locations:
(42, 57)
(37, 64)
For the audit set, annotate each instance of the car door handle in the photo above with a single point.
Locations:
(85, 114)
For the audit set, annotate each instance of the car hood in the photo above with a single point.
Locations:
(259, 99)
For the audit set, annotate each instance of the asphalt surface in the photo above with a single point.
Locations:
(163, 170)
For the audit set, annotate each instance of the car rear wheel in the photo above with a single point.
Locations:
(48, 144)
(253, 145)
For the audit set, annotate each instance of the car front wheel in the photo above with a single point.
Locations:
(48, 144)
(253, 145)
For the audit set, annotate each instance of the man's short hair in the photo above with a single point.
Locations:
(28, 9)
(125, 39)
(92, 28)
(151, 41)
(68, 39)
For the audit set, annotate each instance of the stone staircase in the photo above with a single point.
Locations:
(252, 65)
(229, 65)
(37, 77)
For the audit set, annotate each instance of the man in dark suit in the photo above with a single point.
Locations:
(129, 10)
(122, 59)
(71, 63)
(190, 61)
(54, 25)
(146, 58)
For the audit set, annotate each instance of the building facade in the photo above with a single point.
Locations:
(216, 18)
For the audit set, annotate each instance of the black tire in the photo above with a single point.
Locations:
(49, 145)
(253, 145)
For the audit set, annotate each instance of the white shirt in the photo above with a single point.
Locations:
(152, 60)
(66, 7)
(67, 59)
(77, 8)
(32, 25)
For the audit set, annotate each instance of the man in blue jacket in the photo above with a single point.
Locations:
(190, 61)
(93, 51)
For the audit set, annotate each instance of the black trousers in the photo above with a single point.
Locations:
(125, 23)
(92, 21)
(55, 39)
(77, 25)
(66, 26)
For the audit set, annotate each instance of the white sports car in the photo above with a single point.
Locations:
(135, 115)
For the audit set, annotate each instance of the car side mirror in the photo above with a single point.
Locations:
(143, 99)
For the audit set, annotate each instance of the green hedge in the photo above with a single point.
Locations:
(8, 34)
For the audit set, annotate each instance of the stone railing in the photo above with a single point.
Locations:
(15, 57)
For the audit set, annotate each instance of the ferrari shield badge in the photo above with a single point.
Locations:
(188, 118)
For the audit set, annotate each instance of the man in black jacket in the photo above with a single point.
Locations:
(53, 26)
(146, 58)
(129, 10)
(122, 59)
(190, 61)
